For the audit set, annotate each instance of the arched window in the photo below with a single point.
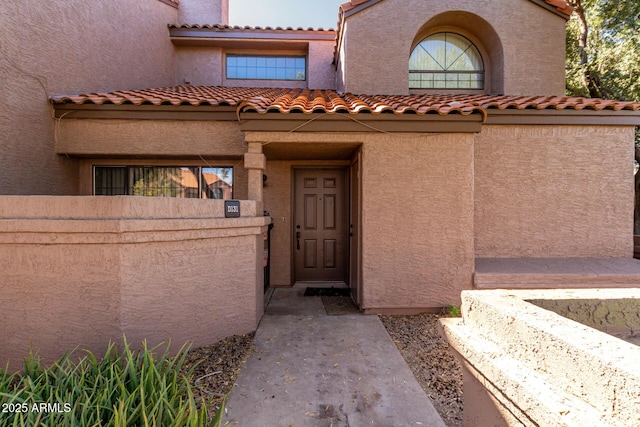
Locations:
(446, 61)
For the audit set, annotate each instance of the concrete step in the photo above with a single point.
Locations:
(544, 273)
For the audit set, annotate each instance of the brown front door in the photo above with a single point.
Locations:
(320, 233)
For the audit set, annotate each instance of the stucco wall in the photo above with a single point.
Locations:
(204, 12)
(277, 201)
(85, 270)
(380, 38)
(149, 138)
(535, 368)
(554, 191)
(417, 220)
(322, 74)
(70, 46)
(199, 65)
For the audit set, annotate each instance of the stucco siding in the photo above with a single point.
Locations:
(52, 293)
(277, 201)
(199, 65)
(379, 40)
(417, 220)
(201, 289)
(86, 270)
(203, 12)
(149, 138)
(69, 47)
(554, 191)
(321, 71)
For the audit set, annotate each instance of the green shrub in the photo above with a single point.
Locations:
(451, 311)
(130, 388)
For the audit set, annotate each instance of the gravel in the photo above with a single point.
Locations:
(431, 362)
(425, 351)
(216, 367)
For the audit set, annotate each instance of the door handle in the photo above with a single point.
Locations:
(298, 240)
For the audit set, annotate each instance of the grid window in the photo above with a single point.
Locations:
(446, 61)
(252, 67)
(164, 181)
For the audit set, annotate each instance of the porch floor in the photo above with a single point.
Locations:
(311, 369)
(534, 273)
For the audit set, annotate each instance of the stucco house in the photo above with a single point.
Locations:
(396, 155)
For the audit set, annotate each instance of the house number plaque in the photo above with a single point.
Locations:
(231, 208)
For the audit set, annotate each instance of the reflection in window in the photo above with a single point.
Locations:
(266, 67)
(164, 181)
(217, 183)
(446, 61)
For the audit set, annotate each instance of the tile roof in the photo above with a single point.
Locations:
(189, 180)
(561, 5)
(351, 4)
(265, 100)
(224, 27)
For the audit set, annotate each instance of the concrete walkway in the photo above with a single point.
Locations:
(311, 369)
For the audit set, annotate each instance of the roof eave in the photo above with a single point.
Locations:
(562, 11)
(240, 33)
(145, 112)
(254, 39)
(605, 117)
(350, 122)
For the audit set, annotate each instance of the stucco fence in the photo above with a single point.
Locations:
(78, 272)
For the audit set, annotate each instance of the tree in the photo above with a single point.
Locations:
(603, 41)
(156, 181)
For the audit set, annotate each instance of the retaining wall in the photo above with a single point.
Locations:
(524, 365)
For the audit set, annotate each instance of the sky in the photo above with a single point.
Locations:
(285, 13)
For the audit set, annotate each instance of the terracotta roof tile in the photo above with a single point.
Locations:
(351, 4)
(224, 27)
(561, 5)
(265, 100)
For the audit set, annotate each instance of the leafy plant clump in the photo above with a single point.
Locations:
(127, 388)
(452, 311)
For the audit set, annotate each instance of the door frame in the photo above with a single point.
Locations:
(346, 217)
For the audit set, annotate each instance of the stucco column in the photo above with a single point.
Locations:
(255, 162)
